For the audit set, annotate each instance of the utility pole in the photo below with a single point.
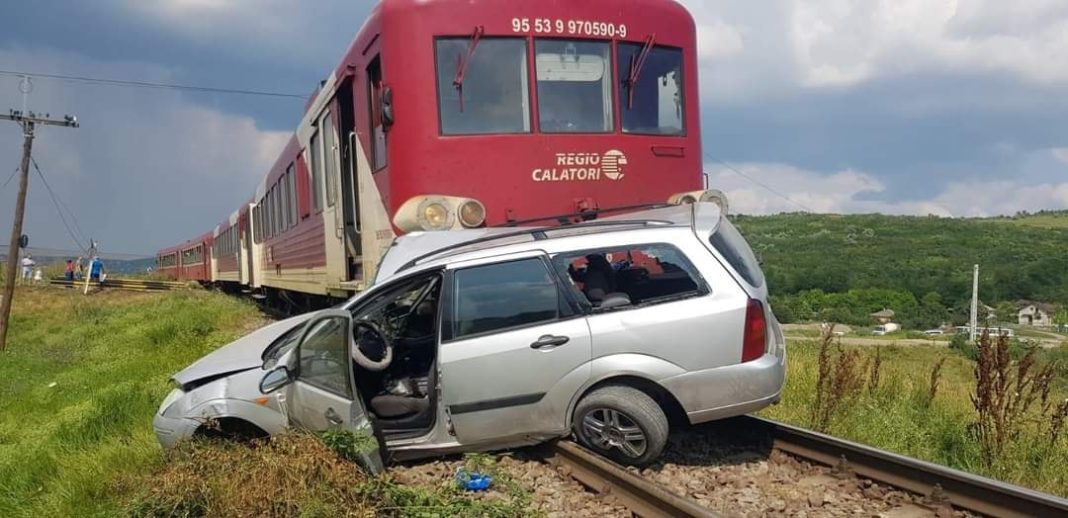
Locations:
(975, 301)
(28, 121)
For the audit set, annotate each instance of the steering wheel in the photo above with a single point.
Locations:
(371, 342)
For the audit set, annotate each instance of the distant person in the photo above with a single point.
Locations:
(27, 267)
(96, 269)
(68, 272)
(80, 265)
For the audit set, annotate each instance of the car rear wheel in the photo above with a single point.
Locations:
(621, 423)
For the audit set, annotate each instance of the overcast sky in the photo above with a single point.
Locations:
(951, 107)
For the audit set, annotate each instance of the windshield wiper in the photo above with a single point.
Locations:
(462, 61)
(637, 62)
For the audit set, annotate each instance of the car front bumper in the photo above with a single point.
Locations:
(170, 430)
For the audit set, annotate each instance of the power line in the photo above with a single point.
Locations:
(13, 173)
(55, 202)
(761, 184)
(149, 84)
(62, 205)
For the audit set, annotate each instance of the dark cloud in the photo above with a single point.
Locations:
(902, 106)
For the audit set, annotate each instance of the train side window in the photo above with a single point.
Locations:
(483, 85)
(329, 157)
(270, 212)
(279, 215)
(316, 162)
(378, 127)
(651, 94)
(291, 179)
(256, 224)
(283, 200)
(574, 86)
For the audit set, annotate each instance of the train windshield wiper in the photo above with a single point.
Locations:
(637, 62)
(462, 62)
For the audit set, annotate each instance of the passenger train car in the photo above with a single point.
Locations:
(448, 114)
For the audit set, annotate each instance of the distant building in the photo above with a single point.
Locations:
(1035, 314)
(883, 317)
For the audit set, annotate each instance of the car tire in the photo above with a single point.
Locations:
(621, 423)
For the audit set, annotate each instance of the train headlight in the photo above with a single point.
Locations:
(439, 212)
(472, 214)
(434, 215)
(710, 195)
(683, 199)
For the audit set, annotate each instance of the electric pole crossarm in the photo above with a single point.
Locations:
(28, 121)
(33, 119)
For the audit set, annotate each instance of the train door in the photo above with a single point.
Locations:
(326, 158)
(350, 208)
(248, 268)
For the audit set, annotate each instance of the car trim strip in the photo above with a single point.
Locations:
(493, 404)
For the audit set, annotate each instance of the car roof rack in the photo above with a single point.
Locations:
(537, 233)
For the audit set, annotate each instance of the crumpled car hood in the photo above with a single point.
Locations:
(241, 354)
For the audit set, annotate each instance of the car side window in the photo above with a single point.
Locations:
(502, 296)
(630, 276)
(324, 360)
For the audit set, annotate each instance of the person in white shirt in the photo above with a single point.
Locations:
(27, 267)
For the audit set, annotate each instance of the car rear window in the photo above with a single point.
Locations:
(733, 247)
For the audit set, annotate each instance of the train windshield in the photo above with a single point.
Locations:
(484, 90)
(653, 102)
(574, 86)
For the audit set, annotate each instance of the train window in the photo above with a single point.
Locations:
(256, 224)
(283, 199)
(279, 215)
(270, 212)
(329, 157)
(650, 95)
(482, 85)
(378, 126)
(291, 179)
(574, 86)
(316, 161)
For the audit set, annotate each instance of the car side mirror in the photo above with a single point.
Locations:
(275, 379)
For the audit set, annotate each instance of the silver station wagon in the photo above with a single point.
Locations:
(487, 339)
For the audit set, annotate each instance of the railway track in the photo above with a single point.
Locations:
(124, 284)
(939, 486)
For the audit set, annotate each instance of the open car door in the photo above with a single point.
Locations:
(320, 390)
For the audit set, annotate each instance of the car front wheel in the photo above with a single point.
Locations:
(621, 423)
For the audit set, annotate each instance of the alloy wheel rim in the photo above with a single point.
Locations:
(610, 429)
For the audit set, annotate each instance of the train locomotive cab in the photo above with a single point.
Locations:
(453, 114)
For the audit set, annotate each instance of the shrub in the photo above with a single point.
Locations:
(1009, 396)
(839, 380)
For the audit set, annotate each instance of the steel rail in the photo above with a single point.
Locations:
(639, 495)
(947, 485)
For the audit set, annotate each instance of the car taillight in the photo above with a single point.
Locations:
(755, 340)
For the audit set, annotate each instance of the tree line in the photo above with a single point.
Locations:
(844, 267)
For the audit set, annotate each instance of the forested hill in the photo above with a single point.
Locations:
(926, 259)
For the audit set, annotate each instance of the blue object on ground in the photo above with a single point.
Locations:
(473, 481)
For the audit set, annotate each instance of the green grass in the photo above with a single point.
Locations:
(898, 417)
(79, 383)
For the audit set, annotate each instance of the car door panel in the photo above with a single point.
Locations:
(515, 350)
(323, 395)
(499, 386)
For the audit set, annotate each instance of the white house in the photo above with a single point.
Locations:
(1035, 314)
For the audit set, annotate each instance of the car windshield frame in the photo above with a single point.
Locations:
(282, 345)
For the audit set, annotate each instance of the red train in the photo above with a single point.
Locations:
(448, 114)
